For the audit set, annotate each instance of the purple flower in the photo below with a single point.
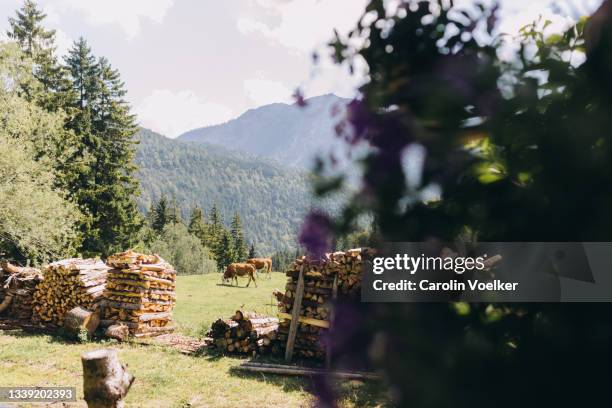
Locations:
(317, 234)
(359, 117)
(300, 100)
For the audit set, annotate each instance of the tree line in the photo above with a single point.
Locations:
(224, 244)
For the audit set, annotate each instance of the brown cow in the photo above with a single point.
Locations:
(236, 269)
(262, 263)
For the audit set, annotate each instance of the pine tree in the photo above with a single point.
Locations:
(174, 212)
(37, 43)
(252, 252)
(160, 217)
(102, 121)
(215, 229)
(240, 249)
(225, 254)
(197, 224)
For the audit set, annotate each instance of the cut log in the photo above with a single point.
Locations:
(118, 332)
(79, 319)
(305, 371)
(308, 320)
(6, 302)
(106, 381)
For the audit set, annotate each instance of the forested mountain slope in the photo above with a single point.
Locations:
(270, 199)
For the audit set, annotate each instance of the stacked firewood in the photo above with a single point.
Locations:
(67, 284)
(140, 294)
(17, 286)
(337, 275)
(244, 333)
(314, 315)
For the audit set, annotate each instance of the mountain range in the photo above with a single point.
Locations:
(287, 133)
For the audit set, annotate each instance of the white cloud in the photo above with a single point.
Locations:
(126, 13)
(263, 91)
(327, 76)
(173, 113)
(304, 24)
(63, 42)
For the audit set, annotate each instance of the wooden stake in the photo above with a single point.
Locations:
(295, 314)
(332, 317)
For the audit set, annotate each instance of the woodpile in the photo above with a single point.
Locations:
(17, 288)
(244, 333)
(337, 276)
(140, 294)
(67, 284)
(347, 265)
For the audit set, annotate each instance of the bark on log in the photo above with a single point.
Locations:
(106, 381)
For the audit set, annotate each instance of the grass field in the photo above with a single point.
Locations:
(167, 378)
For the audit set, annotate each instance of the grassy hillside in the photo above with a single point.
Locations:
(166, 378)
(270, 199)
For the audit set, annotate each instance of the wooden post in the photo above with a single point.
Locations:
(105, 380)
(332, 317)
(295, 315)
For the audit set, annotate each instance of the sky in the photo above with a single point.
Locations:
(194, 63)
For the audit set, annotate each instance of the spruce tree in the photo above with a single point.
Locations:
(225, 254)
(197, 224)
(174, 212)
(215, 229)
(240, 249)
(160, 216)
(252, 252)
(102, 121)
(27, 30)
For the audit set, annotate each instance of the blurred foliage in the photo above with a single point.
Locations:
(519, 149)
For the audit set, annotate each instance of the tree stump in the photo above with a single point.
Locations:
(106, 381)
(79, 319)
(118, 332)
